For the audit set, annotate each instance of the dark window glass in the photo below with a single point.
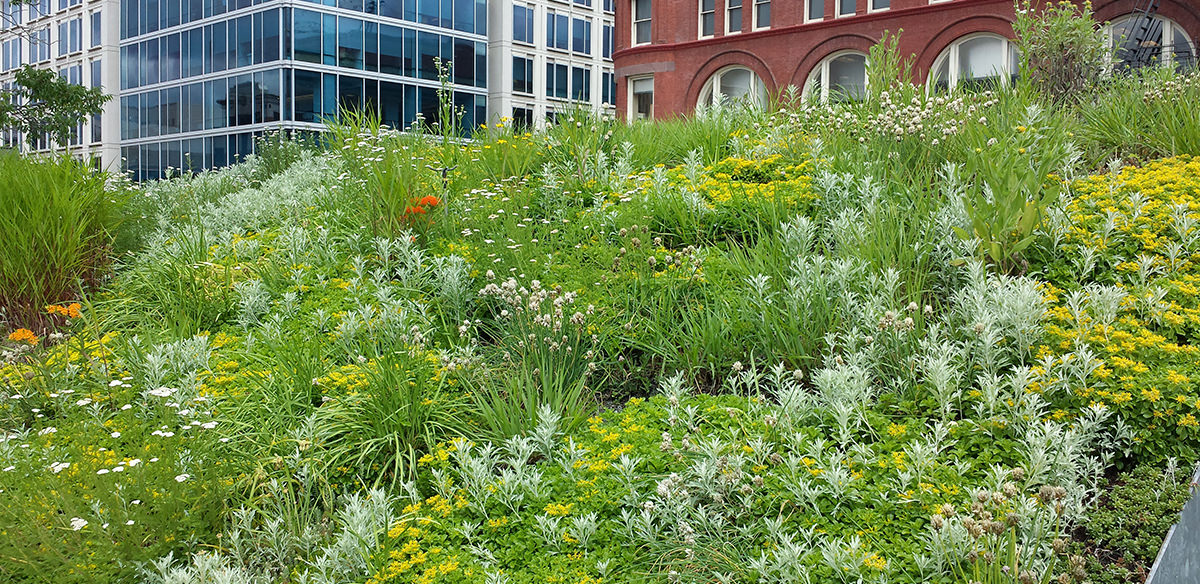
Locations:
(170, 110)
(217, 110)
(427, 12)
(171, 7)
(371, 46)
(581, 84)
(522, 118)
(96, 33)
(193, 155)
(220, 7)
(371, 96)
(350, 93)
(170, 58)
(130, 163)
(308, 36)
(257, 17)
(272, 97)
(219, 150)
(464, 62)
(481, 17)
(522, 75)
(172, 156)
(149, 162)
(391, 8)
(129, 117)
(330, 94)
(350, 43)
(581, 36)
(522, 24)
(148, 10)
(410, 54)
(355, 5)
(218, 47)
(427, 55)
(245, 99)
(330, 40)
(391, 104)
(285, 95)
(245, 41)
(410, 105)
(195, 10)
(464, 15)
(481, 65)
(150, 115)
(195, 52)
(129, 66)
(308, 96)
(465, 102)
(150, 67)
(427, 105)
(193, 113)
(562, 31)
(390, 57)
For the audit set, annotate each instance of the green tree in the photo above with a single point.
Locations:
(43, 102)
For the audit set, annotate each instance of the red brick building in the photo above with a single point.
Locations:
(673, 54)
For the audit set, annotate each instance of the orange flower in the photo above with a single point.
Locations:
(429, 201)
(23, 336)
(71, 311)
(414, 210)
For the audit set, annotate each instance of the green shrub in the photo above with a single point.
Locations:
(380, 433)
(1011, 162)
(1165, 104)
(1062, 48)
(58, 217)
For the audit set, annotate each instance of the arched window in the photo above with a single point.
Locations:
(981, 60)
(733, 84)
(1139, 40)
(839, 77)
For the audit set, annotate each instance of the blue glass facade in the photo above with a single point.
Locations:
(201, 78)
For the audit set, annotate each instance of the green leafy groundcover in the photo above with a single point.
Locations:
(773, 358)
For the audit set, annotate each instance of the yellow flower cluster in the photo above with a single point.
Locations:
(1138, 221)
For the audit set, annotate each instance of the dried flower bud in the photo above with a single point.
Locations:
(1046, 493)
(947, 510)
(1018, 474)
(937, 522)
(982, 496)
(1059, 545)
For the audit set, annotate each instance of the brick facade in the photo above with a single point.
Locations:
(786, 53)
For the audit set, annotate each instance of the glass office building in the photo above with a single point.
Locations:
(200, 78)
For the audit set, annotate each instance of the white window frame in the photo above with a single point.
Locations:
(837, 9)
(700, 21)
(822, 69)
(633, 4)
(631, 105)
(756, 5)
(872, 9)
(729, 8)
(951, 53)
(757, 89)
(808, 17)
